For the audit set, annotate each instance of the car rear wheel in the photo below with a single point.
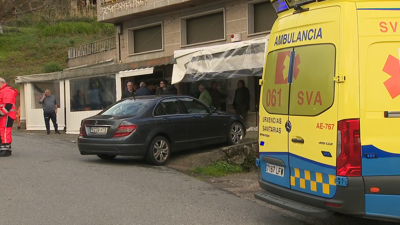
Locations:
(236, 133)
(106, 157)
(159, 151)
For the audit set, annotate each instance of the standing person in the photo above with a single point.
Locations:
(79, 101)
(162, 88)
(241, 101)
(95, 97)
(216, 95)
(205, 96)
(8, 115)
(151, 88)
(107, 97)
(49, 104)
(129, 92)
(143, 90)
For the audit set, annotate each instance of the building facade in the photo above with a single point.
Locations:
(149, 36)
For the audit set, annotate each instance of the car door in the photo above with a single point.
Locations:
(207, 126)
(170, 119)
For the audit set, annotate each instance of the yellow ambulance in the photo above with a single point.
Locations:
(329, 131)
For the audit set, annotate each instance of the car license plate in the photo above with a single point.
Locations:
(98, 130)
(275, 170)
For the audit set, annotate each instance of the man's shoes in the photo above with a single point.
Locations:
(48, 132)
(58, 132)
(5, 153)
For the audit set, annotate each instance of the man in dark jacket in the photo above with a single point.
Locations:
(143, 90)
(166, 90)
(216, 95)
(128, 91)
(241, 102)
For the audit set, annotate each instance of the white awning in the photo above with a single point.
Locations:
(221, 61)
(136, 72)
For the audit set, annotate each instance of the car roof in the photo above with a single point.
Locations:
(160, 96)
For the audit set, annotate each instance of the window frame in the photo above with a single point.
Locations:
(181, 111)
(250, 18)
(183, 19)
(131, 38)
(201, 103)
(88, 77)
(334, 85)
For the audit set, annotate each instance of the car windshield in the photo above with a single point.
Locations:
(127, 107)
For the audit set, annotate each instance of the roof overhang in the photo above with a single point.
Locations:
(224, 61)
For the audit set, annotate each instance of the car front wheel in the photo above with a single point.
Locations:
(236, 133)
(106, 157)
(159, 151)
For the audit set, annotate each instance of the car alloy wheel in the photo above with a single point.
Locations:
(159, 151)
(236, 133)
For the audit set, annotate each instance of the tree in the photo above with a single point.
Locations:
(12, 8)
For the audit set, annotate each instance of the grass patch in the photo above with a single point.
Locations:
(220, 168)
(41, 48)
(71, 28)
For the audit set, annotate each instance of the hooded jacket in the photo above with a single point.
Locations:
(7, 101)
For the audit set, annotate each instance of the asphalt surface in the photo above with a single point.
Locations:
(47, 181)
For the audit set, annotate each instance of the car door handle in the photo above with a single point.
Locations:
(298, 140)
(195, 118)
(165, 119)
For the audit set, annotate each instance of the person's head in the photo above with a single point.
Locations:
(142, 84)
(201, 88)
(47, 92)
(214, 85)
(135, 87)
(151, 87)
(2, 81)
(163, 84)
(79, 92)
(129, 85)
(240, 84)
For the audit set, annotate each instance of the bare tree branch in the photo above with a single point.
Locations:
(12, 8)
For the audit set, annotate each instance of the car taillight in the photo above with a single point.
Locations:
(124, 130)
(82, 129)
(348, 162)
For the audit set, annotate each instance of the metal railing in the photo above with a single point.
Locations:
(109, 2)
(92, 48)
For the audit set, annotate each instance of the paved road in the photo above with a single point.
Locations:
(47, 181)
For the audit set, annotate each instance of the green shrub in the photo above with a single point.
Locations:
(220, 168)
(52, 67)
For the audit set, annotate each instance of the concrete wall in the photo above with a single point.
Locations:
(93, 59)
(236, 22)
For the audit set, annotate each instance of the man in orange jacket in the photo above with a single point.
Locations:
(8, 113)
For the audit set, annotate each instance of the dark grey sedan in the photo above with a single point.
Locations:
(156, 126)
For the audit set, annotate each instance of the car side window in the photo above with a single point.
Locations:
(193, 106)
(167, 107)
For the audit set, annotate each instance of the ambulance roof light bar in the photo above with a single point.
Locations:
(283, 5)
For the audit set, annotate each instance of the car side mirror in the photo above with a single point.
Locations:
(213, 109)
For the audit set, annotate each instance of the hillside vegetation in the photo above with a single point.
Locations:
(29, 47)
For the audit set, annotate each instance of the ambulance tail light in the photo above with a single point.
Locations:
(348, 162)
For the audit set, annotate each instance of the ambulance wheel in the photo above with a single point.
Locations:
(106, 157)
(236, 133)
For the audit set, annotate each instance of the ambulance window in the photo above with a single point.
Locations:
(312, 90)
(275, 97)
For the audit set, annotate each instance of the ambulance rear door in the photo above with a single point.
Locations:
(313, 111)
